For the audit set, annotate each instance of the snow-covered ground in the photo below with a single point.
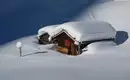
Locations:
(102, 61)
(41, 62)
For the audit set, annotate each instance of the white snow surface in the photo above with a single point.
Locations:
(117, 13)
(86, 31)
(42, 62)
(103, 60)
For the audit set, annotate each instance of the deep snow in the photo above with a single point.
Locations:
(46, 29)
(102, 61)
(43, 62)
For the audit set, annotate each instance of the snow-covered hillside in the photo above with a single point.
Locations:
(42, 62)
(102, 61)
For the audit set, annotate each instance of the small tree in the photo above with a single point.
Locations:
(19, 46)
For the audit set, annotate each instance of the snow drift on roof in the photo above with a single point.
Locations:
(46, 29)
(86, 31)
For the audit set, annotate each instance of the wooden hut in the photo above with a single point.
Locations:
(72, 37)
(65, 43)
(43, 33)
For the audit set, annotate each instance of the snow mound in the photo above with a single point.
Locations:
(86, 31)
(99, 47)
(46, 29)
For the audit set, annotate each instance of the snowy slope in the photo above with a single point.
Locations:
(41, 62)
(103, 60)
(48, 64)
(117, 13)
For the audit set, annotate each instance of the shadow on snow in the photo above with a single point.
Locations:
(121, 37)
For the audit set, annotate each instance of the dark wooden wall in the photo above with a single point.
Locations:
(44, 38)
(60, 39)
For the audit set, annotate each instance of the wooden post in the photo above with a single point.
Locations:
(73, 49)
(20, 51)
(19, 46)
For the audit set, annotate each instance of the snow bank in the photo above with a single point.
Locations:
(52, 65)
(98, 47)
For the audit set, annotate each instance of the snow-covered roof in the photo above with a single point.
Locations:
(46, 29)
(86, 31)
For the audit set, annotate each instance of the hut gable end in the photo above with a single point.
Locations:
(63, 35)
